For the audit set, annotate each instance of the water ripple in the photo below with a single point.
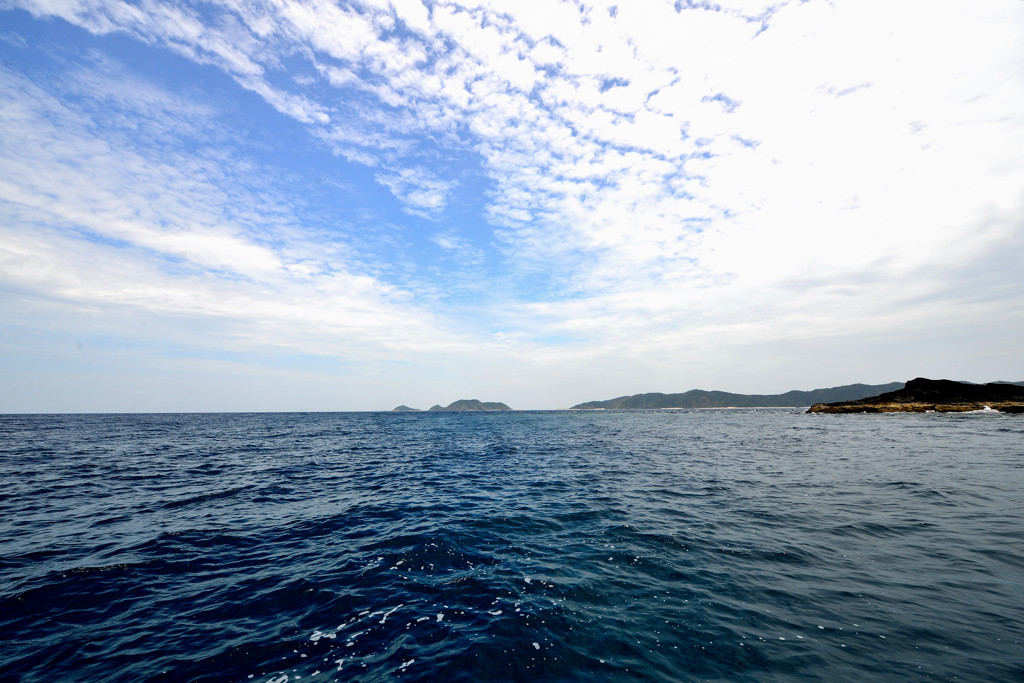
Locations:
(659, 546)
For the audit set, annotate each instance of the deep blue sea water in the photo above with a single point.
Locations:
(746, 545)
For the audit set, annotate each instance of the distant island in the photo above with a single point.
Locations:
(939, 395)
(698, 398)
(466, 404)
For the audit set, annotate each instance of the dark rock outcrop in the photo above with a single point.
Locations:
(939, 395)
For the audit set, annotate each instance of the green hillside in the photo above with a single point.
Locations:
(698, 398)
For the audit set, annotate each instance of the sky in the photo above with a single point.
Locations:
(248, 205)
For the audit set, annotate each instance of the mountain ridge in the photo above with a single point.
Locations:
(699, 398)
(465, 404)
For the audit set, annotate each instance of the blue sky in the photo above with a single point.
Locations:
(346, 206)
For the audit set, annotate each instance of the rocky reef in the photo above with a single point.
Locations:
(923, 395)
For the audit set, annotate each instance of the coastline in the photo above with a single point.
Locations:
(920, 407)
(923, 395)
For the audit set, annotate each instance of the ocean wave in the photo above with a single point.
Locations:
(599, 546)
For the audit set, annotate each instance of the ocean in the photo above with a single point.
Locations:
(690, 545)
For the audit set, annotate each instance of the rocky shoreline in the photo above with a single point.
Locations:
(923, 395)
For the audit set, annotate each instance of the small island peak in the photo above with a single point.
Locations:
(462, 405)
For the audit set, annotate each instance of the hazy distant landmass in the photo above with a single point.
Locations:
(472, 404)
(698, 398)
(404, 409)
(463, 404)
(939, 395)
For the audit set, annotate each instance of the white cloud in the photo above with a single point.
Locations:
(459, 247)
(736, 171)
(102, 222)
(422, 192)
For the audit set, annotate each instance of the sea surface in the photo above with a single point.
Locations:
(727, 545)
